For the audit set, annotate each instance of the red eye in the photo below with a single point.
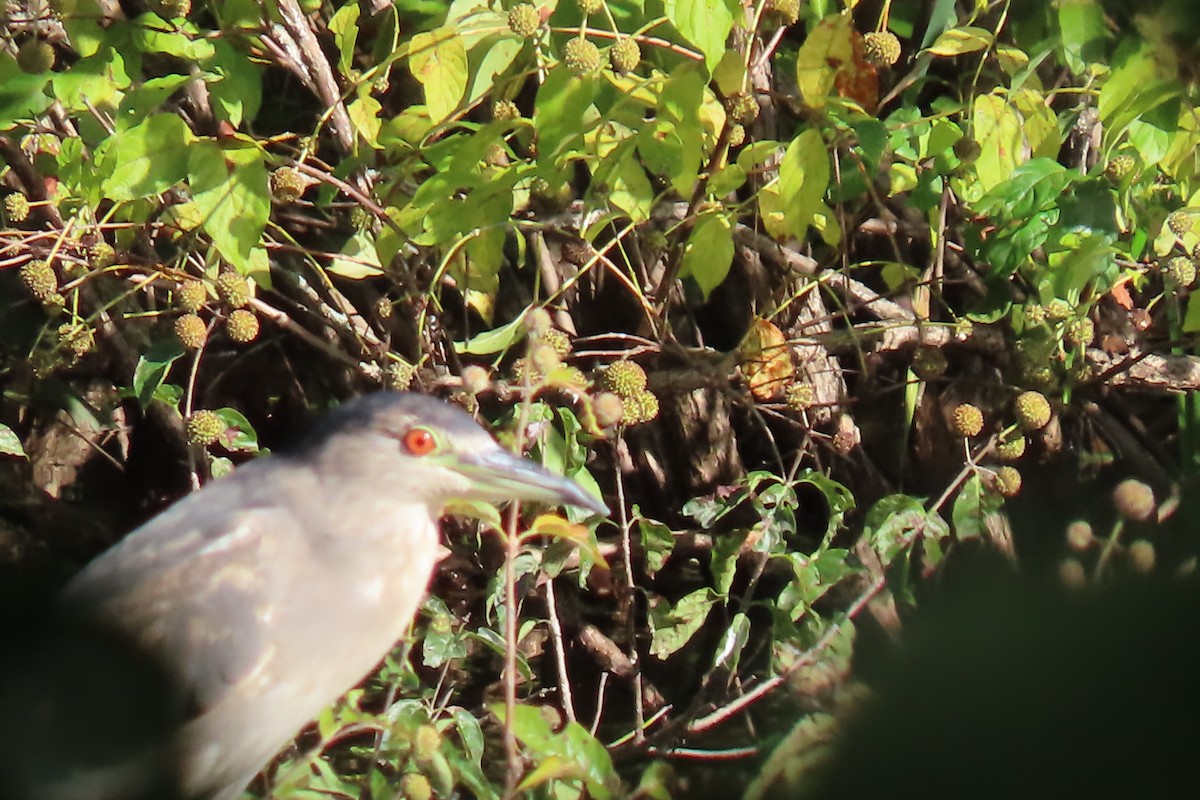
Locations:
(420, 442)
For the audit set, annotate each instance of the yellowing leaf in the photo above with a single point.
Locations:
(438, 60)
(998, 131)
(958, 41)
(827, 49)
(709, 252)
(766, 360)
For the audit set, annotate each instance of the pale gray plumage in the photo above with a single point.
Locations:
(270, 592)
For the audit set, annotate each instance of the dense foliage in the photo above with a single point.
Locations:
(807, 290)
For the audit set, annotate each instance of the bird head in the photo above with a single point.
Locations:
(434, 451)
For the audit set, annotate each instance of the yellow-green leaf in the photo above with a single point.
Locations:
(438, 60)
(803, 180)
(823, 53)
(959, 41)
(998, 131)
(709, 252)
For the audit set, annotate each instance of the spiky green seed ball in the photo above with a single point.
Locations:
(287, 184)
(968, 420)
(1080, 536)
(625, 55)
(1012, 448)
(787, 11)
(743, 108)
(589, 7)
(881, 48)
(1008, 481)
(39, 278)
(524, 20)
(581, 57)
(1080, 331)
(1035, 314)
(1141, 556)
(1180, 272)
(35, 56)
(475, 379)
(737, 135)
(191, 296)
(242, 326)
(1058, 310)
(558, 341)
(929, 363)
(360, 218)
(1180, 222)
(624, 378)
(577, 252)
(191, 331)
(544, 358)
(639, 408)
(799, 396)
(233, 289)
(400, 375)
(609, 409)
(1033, 411)
(505, 110)
(1119, 167)
(101, 255)
(204, 427)
(17, 207)
(1134, 500)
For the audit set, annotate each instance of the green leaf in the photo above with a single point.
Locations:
(1083, 32)
(723, 563)
(240, 436)
(358, 258)
(803, 180)
(152, 368)
(657, 542)
(672, 626)
(10, 443)
(150, 33)
(344, 27)
(704, 23)
(896, 521)
(364, 116)
(237, 95)
(958, 41)
(972, 508)
(229, 186)
(146, 159)
(562, 101)
(438, 60)
(708, 253)
(494, 341)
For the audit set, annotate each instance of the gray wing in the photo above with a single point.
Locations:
(195, 586)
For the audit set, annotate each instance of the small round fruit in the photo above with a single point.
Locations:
(967, 150)
(475, 379)
(39, 278)
(1080, 331)
(1134, 500)
(1180, 272)
(968, 420)
(101, 255)
(204, 427)
(581, 57)
(558, 341)
(1180, 222)
(589, 7)
(1119, 168)
(287, 184)
(743, 108)
(1033, 411)
(737, 135)
(400, 375)
(1080, 536)
(35, 56)
(233, 289)
(1012, 448)
(505, 110)
(624, 378)
(787, 11)
(524, 20)
(1058, 310)
(1008, 481)
(881, 48)
(625, 55)
(191, 331)
(544, 358)
(17, 207)
(415, 786)
(641, 407)
(929, 363)
(191, 295)
(242, 326)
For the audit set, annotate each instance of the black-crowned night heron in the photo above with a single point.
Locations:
(269, 593)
